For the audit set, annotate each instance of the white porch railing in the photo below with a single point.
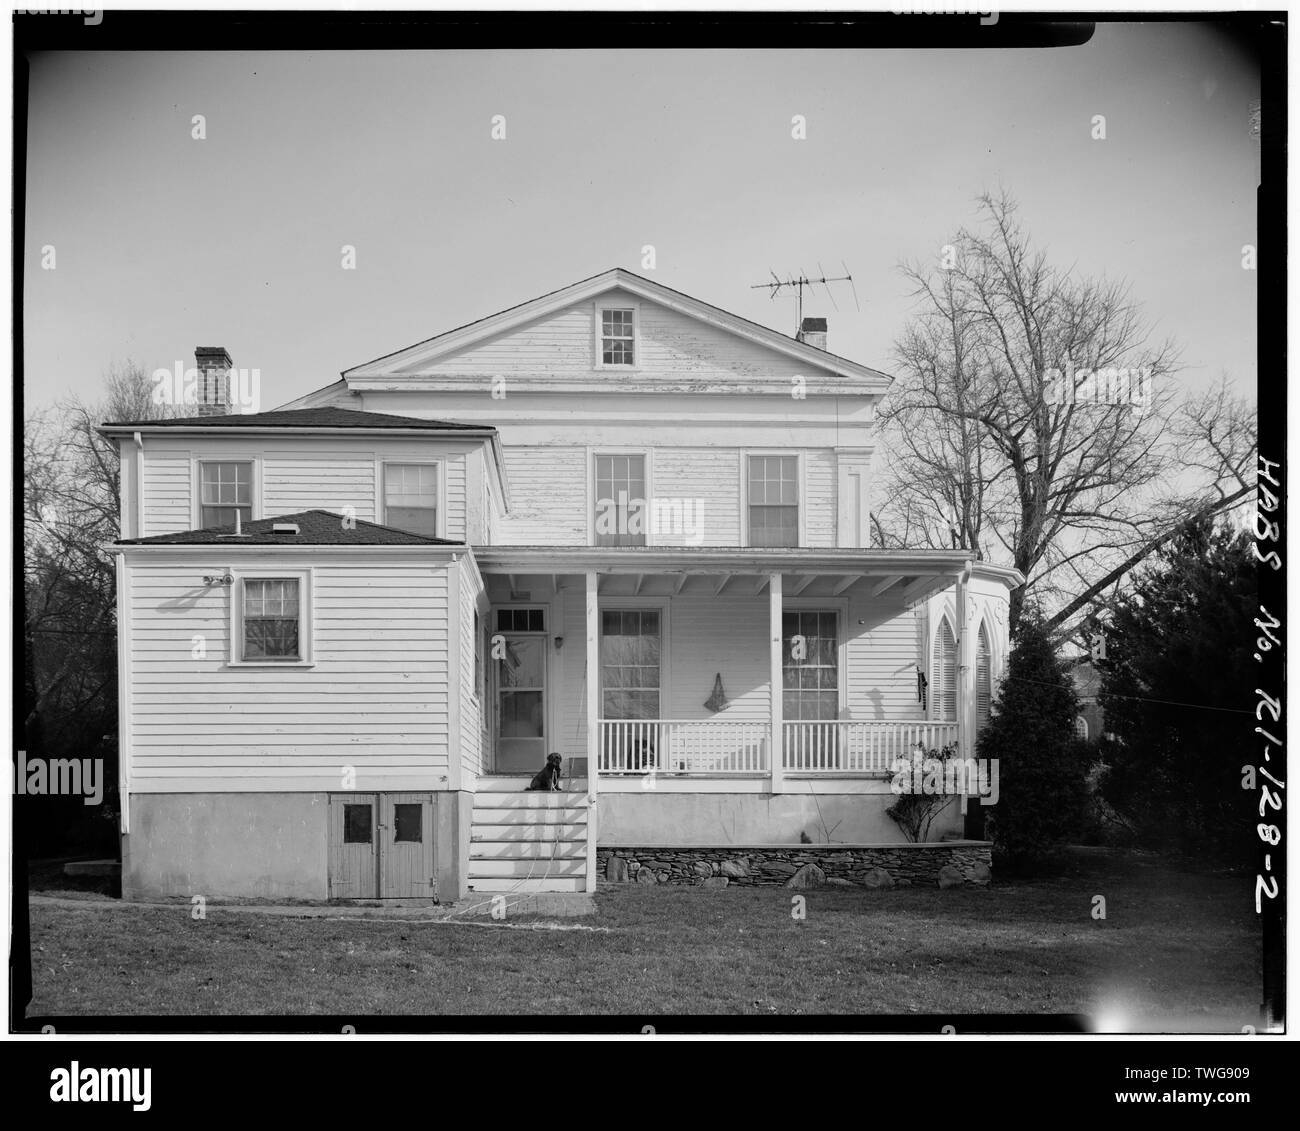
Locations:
(717, 746)
(856, 746)
(684, 746)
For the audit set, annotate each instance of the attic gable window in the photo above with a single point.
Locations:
(617, 336)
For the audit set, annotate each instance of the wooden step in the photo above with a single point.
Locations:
(496, 800)
(505, 884)
(524, 817)
(520, 868)
(530, 831)
(527, 849)
(519, 783)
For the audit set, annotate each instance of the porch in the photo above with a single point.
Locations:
(766, 690)
(723, 664)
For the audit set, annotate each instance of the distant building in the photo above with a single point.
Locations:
(1091, 721)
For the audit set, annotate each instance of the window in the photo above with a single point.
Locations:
(617, 331)
(358, 824)
(411, 497)
(271, 620)
(1081, 728)
(521, 620)
(629, 663)
(983, 678)
(943, 674)
(620, 500)
(810, 673)
(225, 489)
(774, 500)
(406, 822)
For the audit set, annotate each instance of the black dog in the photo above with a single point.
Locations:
(548, 778)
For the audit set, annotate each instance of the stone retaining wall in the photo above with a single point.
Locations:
(801, 865)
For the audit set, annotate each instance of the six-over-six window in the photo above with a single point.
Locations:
(225, 489)
(773, 500)
(617, 337)
(272, 619)
(411, 497)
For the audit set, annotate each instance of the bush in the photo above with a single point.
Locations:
(1042, 767)
(918, 803)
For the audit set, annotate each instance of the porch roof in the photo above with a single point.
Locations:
(820, 571)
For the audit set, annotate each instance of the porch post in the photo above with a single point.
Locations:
(593, 724)
(776, 682)
(965, 729)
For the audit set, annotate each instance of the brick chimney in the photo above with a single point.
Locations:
(813, 333)
(213, 364)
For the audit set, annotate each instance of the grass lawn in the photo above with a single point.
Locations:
(1180, 948)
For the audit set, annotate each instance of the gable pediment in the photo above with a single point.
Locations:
(553, 342)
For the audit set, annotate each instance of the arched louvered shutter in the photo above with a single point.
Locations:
(943, 674)
(983, 678)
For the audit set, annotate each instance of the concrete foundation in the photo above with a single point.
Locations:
(651, 818)
(259, 845)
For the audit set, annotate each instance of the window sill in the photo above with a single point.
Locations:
(269, 664)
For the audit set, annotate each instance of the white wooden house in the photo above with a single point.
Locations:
(613, 522)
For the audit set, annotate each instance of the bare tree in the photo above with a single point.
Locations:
(1214, 434)
(71, 485)
(1034, 419)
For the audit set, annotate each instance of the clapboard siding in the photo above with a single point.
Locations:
(881, 660)
(310, 479)
(552, 495)
(376, 699)
(708, 637)
(167, 491)
(563, 344)
(548, 493)
(703, 482)
(821, 507)
(297, 474)
(554, 343)
(471, 709)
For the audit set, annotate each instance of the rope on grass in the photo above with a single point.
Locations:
(454, 922)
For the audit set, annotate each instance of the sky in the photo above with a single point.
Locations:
(163, 242)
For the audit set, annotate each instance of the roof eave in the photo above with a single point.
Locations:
(615, 559)
(342, 547)
(296, 429)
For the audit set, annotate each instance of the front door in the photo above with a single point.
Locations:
(810, 686)
(381, 846)
(520, 676)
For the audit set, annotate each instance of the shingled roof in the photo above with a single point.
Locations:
(327, 417)
(315, 528)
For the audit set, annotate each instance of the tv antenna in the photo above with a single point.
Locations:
(802, 280)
